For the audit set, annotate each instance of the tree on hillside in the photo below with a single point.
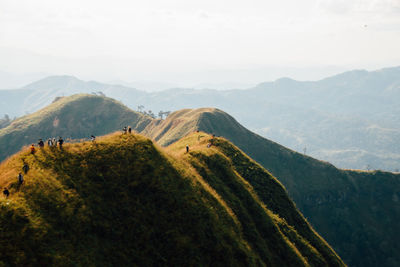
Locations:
(5, 121)
(100, 93)
(163, 113)
(140, 108)
(151, 114)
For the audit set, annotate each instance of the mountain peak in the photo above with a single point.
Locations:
(77, 116)
(183, 122)
(53, 82)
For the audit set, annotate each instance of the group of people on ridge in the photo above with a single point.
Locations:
(20, 179)
(127, 129)
(50, 142)
(53, 142)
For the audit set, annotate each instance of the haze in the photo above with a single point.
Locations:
(187, 43)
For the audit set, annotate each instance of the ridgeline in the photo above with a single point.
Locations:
(124, 201)
(73, 117)
(357, 212)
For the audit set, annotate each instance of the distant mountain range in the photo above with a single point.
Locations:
(354, 211)
(349, 119)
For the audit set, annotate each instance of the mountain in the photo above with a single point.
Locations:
(13, 80)
(346, 207)
(39, 94)
(356, 211)
(74, 117)
(124, 201)
(348, 119)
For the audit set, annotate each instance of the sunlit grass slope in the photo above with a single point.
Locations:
(77, 116)
(123, 201)
(356, 212)
(255, 197)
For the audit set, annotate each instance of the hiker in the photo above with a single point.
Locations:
(20, 179)
(25, 168)
(41, 143)
(60, 142)
(49, 142)
(129, 130)
(124, 130)
(33, 149)
(6, 192)
(187, 148)
(92, 138)
(54, 141)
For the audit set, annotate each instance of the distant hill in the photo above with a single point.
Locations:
(356, 211)
(39, 94)
(122, 201)
(74, 117)
(348, 119)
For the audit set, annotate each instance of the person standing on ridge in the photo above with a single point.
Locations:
(60, 142)
(33, 149)
(187, 148)
(25, 168)
(6, 192)
(129, 130)
(20, 179)
(41, 143)
(93, 138)
(54, 141)
(49, 142)
(124, 130)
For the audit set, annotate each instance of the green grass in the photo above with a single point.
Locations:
(357, 212)
(125, 201)
(73, 117)
(240, 181)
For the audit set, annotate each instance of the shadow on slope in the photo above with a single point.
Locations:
(121, 201)
(356, 212)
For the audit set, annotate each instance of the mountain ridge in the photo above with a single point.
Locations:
(75, 117)
(338, 203)
(327, 196)
(77, 202)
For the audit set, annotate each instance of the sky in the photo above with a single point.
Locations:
(187, 42)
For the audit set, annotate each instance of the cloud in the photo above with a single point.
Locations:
(343, 7)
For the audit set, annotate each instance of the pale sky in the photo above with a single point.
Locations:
(185, 41)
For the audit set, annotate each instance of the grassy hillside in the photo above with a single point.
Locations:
(123, 201)
(77, 116)
(356, 212)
